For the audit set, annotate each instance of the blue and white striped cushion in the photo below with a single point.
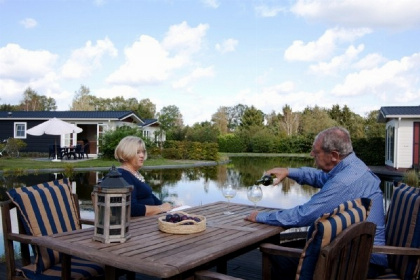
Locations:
(80, 269)
(45, 209)
(403, 229)
(326, 228)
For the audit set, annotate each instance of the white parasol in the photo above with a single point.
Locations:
(54, 126)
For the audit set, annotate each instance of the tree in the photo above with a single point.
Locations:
(83, 101)
(32, 101)
(314, 120)
(203, 132)
(171, 122)
(220, 120)
(235, 115)
(290, 121)
(373, 128)
(146, 109)
(8, 107)
(252, 117)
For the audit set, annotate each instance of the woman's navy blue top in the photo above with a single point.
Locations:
(141, 196)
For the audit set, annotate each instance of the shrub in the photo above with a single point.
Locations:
(110, 140)
(231, 143)
(190, 150)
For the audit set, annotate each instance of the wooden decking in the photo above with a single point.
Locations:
(246, 266)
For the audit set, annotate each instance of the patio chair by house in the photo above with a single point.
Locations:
(52, 149)
(78, 151)
(43, 209)
(402, 234)
(86, 148)
(339, 246)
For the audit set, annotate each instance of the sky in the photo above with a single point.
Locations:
(200, 55)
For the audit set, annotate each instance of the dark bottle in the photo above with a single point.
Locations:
(266, 180)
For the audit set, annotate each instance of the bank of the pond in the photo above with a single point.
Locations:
(44, 165)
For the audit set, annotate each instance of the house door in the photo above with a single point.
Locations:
(416, 146)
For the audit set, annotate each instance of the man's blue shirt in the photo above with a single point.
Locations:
(349, 180)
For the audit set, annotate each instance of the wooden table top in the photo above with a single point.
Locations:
(152, 252)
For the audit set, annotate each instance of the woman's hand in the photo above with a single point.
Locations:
(165, 207)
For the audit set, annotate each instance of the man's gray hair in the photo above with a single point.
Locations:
(336, 139)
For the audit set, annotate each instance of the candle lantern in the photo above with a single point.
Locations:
(112, 204)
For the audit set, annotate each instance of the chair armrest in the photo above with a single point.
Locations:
(87, 222)
(272, 249)
(394, 250)
(23, 238)
(211, 275)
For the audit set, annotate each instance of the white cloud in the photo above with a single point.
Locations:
(84, 60)
(370, 61)
(29, 23)
(147, 62)
(265, 11)
(195, 75)
(396, 80)
(211, 3)
(150, 62)
(325, 46)
(228, 45)
(362, 13)
(184, 39)
(21, 68)
(21, 64)
(337, 63)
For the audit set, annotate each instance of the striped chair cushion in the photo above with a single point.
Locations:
(46, 209)
(326, 228)
(80, 269)
(403, 229)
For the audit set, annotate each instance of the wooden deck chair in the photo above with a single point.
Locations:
(402, 234)
(43, 209)
(338, 246)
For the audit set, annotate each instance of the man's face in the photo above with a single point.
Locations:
(323, 160)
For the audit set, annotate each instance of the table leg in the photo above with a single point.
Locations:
(65, 267)
(110, 273)
(222, 267)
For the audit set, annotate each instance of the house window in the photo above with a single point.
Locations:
(146, 134)
(19, 130)
(390, 134)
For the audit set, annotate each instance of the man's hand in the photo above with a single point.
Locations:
(252, 216)
(280, 174)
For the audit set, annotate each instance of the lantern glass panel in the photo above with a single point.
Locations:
(115, 218)
(101, 214)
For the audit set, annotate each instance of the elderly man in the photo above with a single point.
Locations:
(341, 176)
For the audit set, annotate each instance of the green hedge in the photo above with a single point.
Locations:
(371, 151)
(190, 150)
(231, 143)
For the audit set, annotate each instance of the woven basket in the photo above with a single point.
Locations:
(181, 227)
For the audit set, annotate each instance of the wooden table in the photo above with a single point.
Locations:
(171, 256)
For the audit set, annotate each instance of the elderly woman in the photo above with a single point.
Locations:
(131, 153)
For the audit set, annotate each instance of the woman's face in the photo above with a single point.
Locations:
(137, 161)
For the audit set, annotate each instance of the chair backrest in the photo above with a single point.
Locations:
(45, 209)
(348, 255)
(326, 228)
(403, 229)
(78, 148)
(86, 148)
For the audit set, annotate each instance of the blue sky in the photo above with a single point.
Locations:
(201, 55)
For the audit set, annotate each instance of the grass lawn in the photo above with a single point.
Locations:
(26, 164)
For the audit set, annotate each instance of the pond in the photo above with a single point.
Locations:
(193, 186)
